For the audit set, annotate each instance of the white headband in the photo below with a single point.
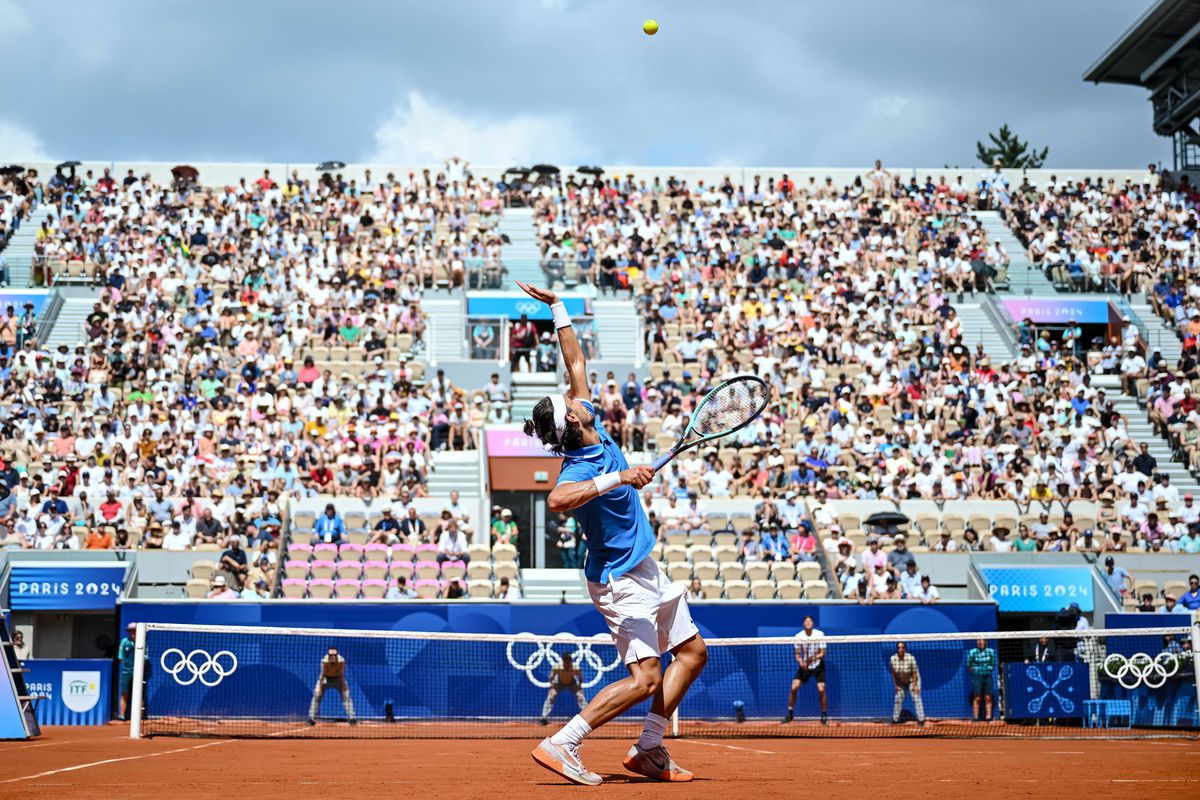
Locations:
(560, 418)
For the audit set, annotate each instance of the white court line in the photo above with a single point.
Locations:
(43, 744)
(726, 746)
(114, 761)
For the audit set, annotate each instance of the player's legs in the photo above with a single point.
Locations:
(987, 697)
(644, 681)
(975, 706)
(689, 660)
(347, 702)
(580, 699)
(918, 705)
(898, 704)
(824, 700)
(317, 696)
(551, 694)
(792, 692)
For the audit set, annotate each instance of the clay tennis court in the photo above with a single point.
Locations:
(85, 763)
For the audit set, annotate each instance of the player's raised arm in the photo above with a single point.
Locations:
(567, 341)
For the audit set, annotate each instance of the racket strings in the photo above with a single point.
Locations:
(730, 407)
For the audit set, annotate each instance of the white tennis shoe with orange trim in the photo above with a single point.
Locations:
(564, 760)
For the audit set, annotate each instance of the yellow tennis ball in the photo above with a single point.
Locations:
(650, 26)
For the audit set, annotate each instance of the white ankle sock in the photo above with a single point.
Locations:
(573, 732)
(653, 732)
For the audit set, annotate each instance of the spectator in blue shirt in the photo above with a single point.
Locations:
(329, 527)
(775, 545)
(1191, 598)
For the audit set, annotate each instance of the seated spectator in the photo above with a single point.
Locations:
(387, 529)
(256, 590)
(232, 564)
(891, 589)
(927, 593)
(504, 529)
(154, 536)
(506, 591)
(101, 538)
(219, 589)
(454, 590)
(775, 545)
(209, 529)
(400, 590)
(329, 527)
(176, 538)
(749, 547)
(452, 545)
(412, 528)
(899, 559)
(695, 591)
(1171, 605)
(1146, 606)
(803, 544)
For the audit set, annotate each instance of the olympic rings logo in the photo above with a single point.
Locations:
(1140, 669)
(197, 665)
(527, 307)
(589, 663)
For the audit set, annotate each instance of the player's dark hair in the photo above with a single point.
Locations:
(808, 617)
(542, 427)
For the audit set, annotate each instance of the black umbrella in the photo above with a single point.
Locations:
(68, 165)
(597, 171)
(883, 519)
(546, 169)
(326, 166)
(185, 172)
(12, 169)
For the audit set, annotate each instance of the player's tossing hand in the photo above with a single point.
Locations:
(545, 295)
(637, 477)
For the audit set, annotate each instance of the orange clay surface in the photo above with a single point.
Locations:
(102, 762)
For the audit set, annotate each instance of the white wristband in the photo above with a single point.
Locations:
(607, 482)
(561, 318)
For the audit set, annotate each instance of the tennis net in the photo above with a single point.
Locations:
(284, 682)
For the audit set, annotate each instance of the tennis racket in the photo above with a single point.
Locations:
(728, 408)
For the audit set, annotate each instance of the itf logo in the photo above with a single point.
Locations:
(80, 690)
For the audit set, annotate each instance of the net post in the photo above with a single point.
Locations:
(139, 674)
(675, 724)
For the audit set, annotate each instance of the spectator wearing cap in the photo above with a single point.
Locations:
(219, 589)
(504, 528)
(1117, 578)
(387, 529)
(256, 590)
(1171, 605)
(873, 558)
(900, 557)
(232, 566)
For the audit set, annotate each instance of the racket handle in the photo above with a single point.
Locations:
(662, 460)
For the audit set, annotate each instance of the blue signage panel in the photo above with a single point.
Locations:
(1039, 589)
(1046, 690)
(17, 298)
(514, 306)
(68, 587)
(70, 691)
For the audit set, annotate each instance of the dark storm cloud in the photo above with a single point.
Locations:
(775, 83)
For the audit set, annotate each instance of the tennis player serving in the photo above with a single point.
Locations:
(646, 614)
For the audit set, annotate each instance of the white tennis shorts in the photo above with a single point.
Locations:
(646, 613)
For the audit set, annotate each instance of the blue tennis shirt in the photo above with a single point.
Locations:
(618, 533)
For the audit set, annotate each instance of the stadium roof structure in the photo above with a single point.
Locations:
(1161, 52)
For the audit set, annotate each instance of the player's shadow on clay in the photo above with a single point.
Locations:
(617, 778)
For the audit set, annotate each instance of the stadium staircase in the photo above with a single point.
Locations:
(68, 325)
(521, 255)
(619, 333)
(980, 325)
(19, 253)
(1023, 278)
(1140, 430)
(447, 331)
(528, 388)
(553, 585)
(1155, 332)
(455, 470)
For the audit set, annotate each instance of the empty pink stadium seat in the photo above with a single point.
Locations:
(323, 569)
(401, 552)
(376, 570)
(321, 588)
(454, 569)
(296, 569)
(325, 550)
(428, 570)
(294, 588)
(348, 589)
(299, 552)
(351, 552)
(377, 552)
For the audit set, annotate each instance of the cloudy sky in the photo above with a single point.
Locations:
(753, 82)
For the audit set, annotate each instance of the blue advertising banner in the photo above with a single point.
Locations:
(1045, 690)
(70, 691)
(67, 587)
(513, 306)
(274, 676)
(1039, 589)
(17, 298)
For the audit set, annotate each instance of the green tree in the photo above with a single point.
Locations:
(1012, 152)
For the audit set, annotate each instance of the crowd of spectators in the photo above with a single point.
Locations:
(252, 344)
